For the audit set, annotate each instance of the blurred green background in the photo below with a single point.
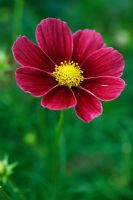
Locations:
(96, 159)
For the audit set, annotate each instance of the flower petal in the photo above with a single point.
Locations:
(85, 42)
(34, 81)
(28, 54)
(59, 98)
(88, 107)
(103, 62)
(105, 88)
(55, 39)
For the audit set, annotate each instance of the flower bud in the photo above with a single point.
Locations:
(2, 168)
(6, 169)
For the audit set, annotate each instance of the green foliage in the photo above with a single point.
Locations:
(95, 159)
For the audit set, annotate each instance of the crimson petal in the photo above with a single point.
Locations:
(34, 81)
(103, 62)
(105, 88)
(88, 107)
(59, 98)
(26, 53)
(55, 39)
(85, 42)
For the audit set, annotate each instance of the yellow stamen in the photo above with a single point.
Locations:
(68, 74)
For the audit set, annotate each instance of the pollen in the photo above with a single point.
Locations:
(68, 74)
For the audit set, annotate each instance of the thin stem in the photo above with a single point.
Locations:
(56, 166)
(3, 194)
(59, 130)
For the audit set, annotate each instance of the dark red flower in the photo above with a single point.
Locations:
(69, 70)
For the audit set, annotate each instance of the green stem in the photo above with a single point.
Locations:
(59, 130)
(3, 194)
(56, 166)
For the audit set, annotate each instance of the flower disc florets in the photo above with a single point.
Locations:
(68, 74)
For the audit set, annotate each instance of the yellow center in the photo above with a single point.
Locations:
(68, 74)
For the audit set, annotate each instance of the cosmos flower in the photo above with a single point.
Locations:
(69, 70)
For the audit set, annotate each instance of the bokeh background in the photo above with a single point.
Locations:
(96, 159)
